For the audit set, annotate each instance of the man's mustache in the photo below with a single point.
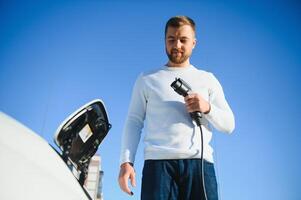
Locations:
(177, 51)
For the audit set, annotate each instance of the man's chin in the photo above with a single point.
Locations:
(178, 60)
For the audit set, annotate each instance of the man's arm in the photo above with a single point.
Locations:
(216, 111)
(220, 115)
(131, 135)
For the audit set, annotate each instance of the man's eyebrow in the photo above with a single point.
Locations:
(172, 37)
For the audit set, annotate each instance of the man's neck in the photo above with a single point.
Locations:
(184, 64)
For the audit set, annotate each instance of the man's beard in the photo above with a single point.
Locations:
(177, 59)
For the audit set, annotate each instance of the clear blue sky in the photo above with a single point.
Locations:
(57, 55)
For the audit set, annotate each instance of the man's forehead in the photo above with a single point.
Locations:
(182, 31)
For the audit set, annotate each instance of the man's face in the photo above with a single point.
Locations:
(179, 43)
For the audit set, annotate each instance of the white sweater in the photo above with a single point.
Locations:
(169, 130)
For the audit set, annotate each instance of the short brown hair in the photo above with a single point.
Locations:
(179, 21)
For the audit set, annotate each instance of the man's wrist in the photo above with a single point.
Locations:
(125, 164)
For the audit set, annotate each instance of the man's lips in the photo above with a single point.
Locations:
(177, 53)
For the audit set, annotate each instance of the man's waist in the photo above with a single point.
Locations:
(161, 153)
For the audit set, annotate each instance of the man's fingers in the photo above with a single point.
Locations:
(191, 104)
(190, 98)
(123, 183)
(133, 179)
(126, 172)
(191, 108)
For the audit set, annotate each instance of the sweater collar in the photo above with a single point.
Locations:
(178, 68)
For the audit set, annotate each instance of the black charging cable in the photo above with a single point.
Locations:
(182, 88)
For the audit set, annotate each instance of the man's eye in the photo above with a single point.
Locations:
(183, 41)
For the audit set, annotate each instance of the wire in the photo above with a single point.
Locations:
(202, 160)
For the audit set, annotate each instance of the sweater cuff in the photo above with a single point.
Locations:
(126, 157)
(211, 113)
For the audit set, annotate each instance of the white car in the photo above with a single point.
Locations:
(31, 169)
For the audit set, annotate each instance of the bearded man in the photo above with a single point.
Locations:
(172, 143)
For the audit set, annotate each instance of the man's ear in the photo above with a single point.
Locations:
(194, 43)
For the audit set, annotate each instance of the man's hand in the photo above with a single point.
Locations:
(195, 102)
(127, 172)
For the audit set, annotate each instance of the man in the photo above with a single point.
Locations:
(172, 167)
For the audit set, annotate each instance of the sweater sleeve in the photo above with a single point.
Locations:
(134, 122)
(220, 115)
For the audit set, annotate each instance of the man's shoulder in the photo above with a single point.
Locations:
(144, 76)
(203, 72)
(151, 72)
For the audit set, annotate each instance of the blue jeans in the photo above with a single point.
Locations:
(178, 180)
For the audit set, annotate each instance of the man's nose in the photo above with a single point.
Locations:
(178, 44)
